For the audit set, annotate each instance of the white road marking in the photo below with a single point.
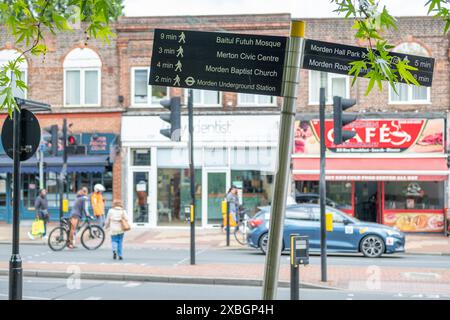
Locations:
(132, 284)
(93, 298)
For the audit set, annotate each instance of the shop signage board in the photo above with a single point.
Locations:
(218, 61)
(335, 58)
(375, 136)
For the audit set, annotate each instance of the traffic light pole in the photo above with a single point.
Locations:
(322, 189)
(15, 264)
(192, 171)
(294, 57)
(63, 174)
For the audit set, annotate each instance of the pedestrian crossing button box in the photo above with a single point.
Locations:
(299, 250)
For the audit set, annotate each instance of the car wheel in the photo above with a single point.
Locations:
(372, 246)
(264, 241)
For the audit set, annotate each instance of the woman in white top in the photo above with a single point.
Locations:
(114, 222)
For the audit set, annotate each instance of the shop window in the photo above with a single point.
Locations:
(258, 158)
(216, 156)
(205, 98)
(174, 196)
(256, 100)
(140, 157)
(30, 190)
(177, 157)
(11, 55)
(341, 194)
(143, 94)
(414, 195)
(334, 84)
(82, 78)
(410, 93)
(254, 188)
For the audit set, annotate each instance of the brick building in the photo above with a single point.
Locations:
(235, 134)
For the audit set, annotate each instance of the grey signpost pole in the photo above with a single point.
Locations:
(192, 170)
(322, 189)
(291, 78)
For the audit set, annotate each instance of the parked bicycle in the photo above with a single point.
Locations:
(92, 235)
(240, 232)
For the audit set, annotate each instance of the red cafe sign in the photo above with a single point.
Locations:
(375, 135)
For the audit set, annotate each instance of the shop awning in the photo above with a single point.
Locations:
(76, 163)
(373, 169)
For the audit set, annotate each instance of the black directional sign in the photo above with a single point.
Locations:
(218, 61)
(30, 135)
(335, 58)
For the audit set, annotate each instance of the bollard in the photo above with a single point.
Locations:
(226, 211)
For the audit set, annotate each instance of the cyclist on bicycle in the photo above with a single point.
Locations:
(79, 211)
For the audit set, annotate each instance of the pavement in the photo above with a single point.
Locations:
(162, 256)
(428, 244)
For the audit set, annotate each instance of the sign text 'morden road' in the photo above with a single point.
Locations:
(247, 56)
(248, 42)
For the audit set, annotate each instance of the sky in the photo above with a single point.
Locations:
(297, 8)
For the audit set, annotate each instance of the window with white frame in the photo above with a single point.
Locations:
(142, 94)
(245, 99)
(334, 84)
(205, 98)
(82, 78)
(11, 55)
(409, 93)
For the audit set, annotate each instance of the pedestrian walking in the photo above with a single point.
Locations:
(233, 202)
(79, 211)
(98, 204)
(41, 211)
(117, 224)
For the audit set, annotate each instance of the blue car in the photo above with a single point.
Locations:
(348, 235)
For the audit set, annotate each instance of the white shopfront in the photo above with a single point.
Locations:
(228, 149)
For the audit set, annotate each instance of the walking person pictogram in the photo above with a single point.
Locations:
(180, 52)
(176, 81)
(182, 37)
(178, 66)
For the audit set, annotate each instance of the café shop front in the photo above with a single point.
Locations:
(393, 172)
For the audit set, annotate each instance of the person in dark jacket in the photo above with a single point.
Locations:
(79, 211)
(41, 211)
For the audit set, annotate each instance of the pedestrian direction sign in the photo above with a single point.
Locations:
(335, 58)
(218, 61)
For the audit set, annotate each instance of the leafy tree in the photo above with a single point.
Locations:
(370, 22)
(27, 21)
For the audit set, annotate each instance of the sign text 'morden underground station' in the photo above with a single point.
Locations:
(218, 61)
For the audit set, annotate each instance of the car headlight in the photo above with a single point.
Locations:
(393, 233)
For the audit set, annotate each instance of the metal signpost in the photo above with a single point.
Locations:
(335, 58)
(322, 189)
(294, 56)
(24, 132)
(218, 61)
(192, 171)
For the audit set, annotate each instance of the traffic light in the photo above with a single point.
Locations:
(71, 140)
(50, 137)
(173, 118)
(341, 119)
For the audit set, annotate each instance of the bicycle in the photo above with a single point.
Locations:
(240, 232)
(92, 237)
